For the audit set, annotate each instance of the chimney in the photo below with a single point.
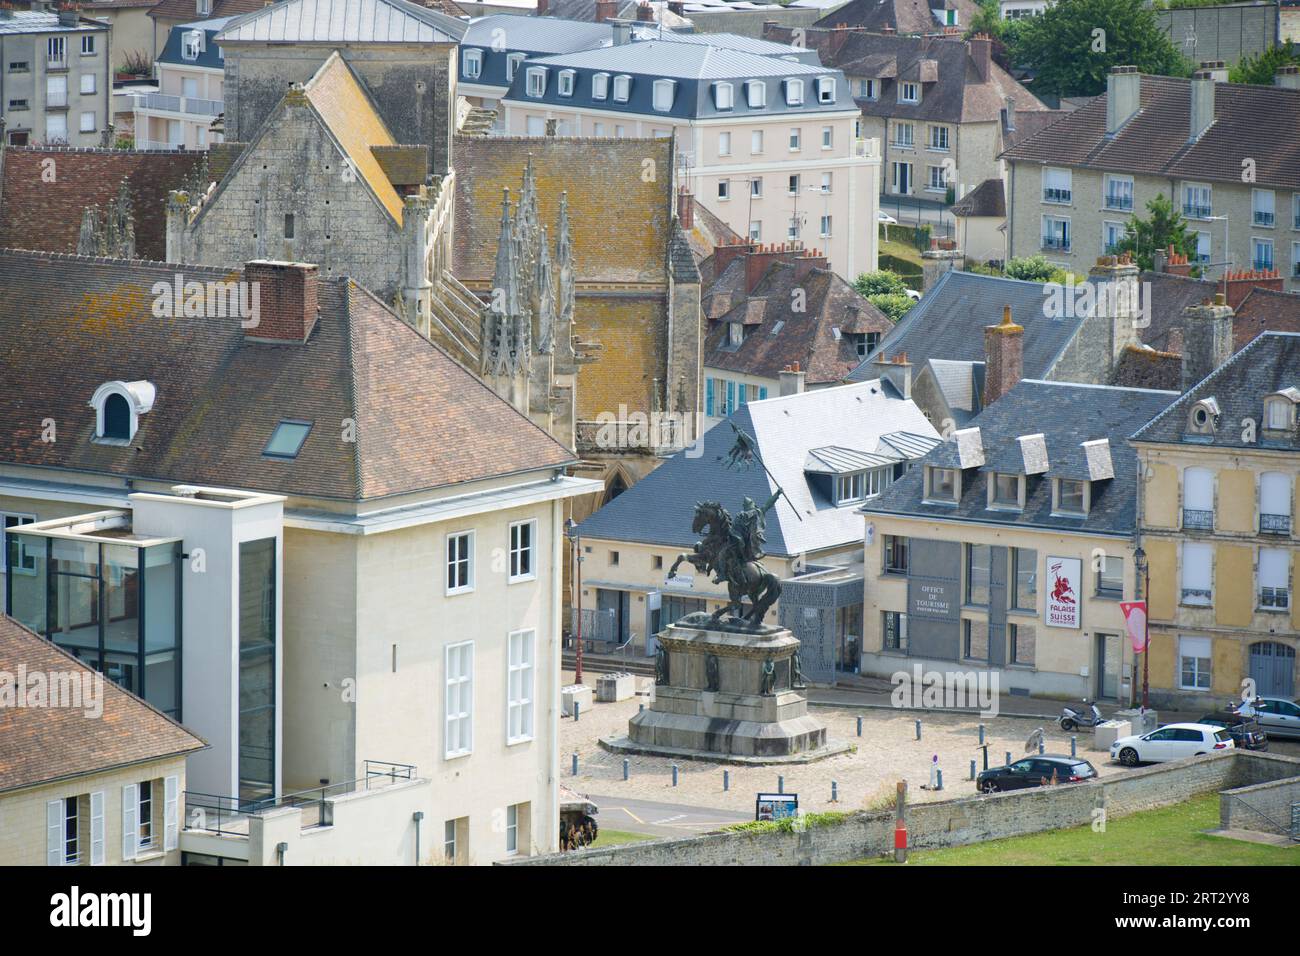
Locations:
(543, 7)
(69, 16)
(888, 31)
(725, 255)
(285, 298)
(981, 52)
(685, 208)
(606, 10)
(1159, 261)
(757, 262)
(896, 371)
(1176, 263)
(838, 34)
(1207, 339)
(622, 32)
(807, 262)
(1288, 77)
(1004, 357)
(645, 13)
(1218, 68)
(1118, 302)
(1238, 285)
(791, 380)
(1202, 103)
(1123, 96)
(678, 7)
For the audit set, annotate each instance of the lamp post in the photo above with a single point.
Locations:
(571, 530)
(1144, 577)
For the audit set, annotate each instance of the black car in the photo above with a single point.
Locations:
(1246, 731)
(1034, 772)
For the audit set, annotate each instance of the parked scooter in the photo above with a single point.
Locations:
(1071, 718)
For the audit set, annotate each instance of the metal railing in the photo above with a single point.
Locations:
(1274, 524)
(56, 62)
(1061, 196)
(1197, 596)
(1059, 243)
(1263, 218)
(169, 103)
(1195, 211)
(1275, 599)
(1262, 265)
(1197, 520)
(1295, 808)
(1114, 201)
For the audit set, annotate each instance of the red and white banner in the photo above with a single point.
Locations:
(1061, 609)
(1135, 621)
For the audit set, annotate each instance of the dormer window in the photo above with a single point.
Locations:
(472, 61)
(942, 485)
(1071, 497)
(1005, 491)
(663, 95)
(723, 96)
(909, 92)
(1203, 417)
(566, 82)
(622, 88)
(191, 44)
(599, 86)
(1279, 411)
(512, 65)
(756, 94)
(861, 485)
(118, 407)
(794, 92)
(536, 81)
(825, 89)
(203, 7)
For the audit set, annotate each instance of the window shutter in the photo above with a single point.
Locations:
(130, 828)
(1194, 647)
(1274, 494)
(54, 833)
(97, 828)
(1274, 568)
(171, 812)
(1197, 561)
(1198, 489)
(708, 396)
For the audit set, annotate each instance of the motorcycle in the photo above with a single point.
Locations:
(1071, 719)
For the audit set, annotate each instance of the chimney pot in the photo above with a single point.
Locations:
(1004, 357)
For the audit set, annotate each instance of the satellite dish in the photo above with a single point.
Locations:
(1033, 741)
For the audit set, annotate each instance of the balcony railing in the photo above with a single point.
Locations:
(55, 101)
(1196, 520)
(1060, 196)
(56, 62)
(1263, 218)
(1197, 596)
(168, 103)
(1274, 524)
(1057, 243)
(1196, 211)
(1114, 201)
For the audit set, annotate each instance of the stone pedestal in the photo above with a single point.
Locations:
(1105, 734)
(720, 697)
(576, 692)
(611, 688)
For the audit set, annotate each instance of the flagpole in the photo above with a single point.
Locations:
(763, 465)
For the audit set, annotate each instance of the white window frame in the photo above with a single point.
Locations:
(1261, 242)
(567, 82)
(458, 723)
(622, 88)
(1274, 575)
(536, 80)
(20, 519)
(191, 44)
(472, 63)
(828, 137)
(521, 685)
(521, 552)
(599, 86)
(1117, 187)
(724, 143)
(88, 44)
(756, 142)
(512, 830)
(513, 60)
(1204, 246)
(756, 94)
(938, 138)
(825, 226)
(1109, 226)
(870, 89)
(449, 561)
(793, 92)
(1196, 645)
(1192, 193)
(663, 88)
(828, 183)
(825, 89)
(87, 84)
(1259, 207)
(796, 139)
(56, 52)
(86, 121)
(909, 92)
(1059, 181)
(724, 189)
(907, 141)
(724, 96)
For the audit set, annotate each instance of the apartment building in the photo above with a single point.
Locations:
(93, 775)
(396, 570)
(191, 75)
(56, 77)
(166, 15)
(767, 143)
(1010, 547)
(1222, 153)
(1220, 505)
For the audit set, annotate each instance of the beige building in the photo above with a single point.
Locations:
(132, 28)
(1220, 506)
(1220, 152)
(93, 776)
(190, 71)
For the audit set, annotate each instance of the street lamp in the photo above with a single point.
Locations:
(571, 531)
(1144, 583)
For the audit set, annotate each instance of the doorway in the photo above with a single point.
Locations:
(1272, 668)
(1108, 650)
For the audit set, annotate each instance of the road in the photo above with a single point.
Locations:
(661, 819)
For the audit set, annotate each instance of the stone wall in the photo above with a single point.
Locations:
(1228, 32)
(1265, 807)
(957, 822)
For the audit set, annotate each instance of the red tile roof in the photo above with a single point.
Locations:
(1265, 310)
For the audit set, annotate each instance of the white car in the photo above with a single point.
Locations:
(1277, 716)
(885, 218)
(1171, 742)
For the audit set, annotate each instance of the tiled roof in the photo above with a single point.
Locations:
(706, 234)
(1269, 364)
(38, 214)
(1066, 415)
(986, 199)
(422, 422)
(344, 21)
(1265, 310)
(1147, 368)
(1170, 295)
(185, 10)
(621, 223)
(44, 744)
(904, 16)
(40, 21)
(783, 335)
(1255, 123)
(658, 509)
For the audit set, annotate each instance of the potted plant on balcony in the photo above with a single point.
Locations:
(136, 66)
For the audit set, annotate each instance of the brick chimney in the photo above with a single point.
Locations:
(1237, 285)
(685, 208)
(791, 380)
(1004, 357)
(1123, 96)
(1216, 67)
(1176, 263)
(896, 371)
(1202, 104)
(606, 10)
(981, 53)
(1288, 77)
(888, 31)
(806, 262)
(543, 7)
(758, 261)
(286, 297)
(645, 13)
(1207, 339)
(725, 255)
(837, 37)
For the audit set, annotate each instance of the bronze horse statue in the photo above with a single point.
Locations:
(730, 551)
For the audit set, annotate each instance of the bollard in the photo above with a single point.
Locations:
(1008, 758)
(1042, 748)
(918, 730)
(726, 780)
(939, 785)
(674, 775)
(1074, 746)
(981, 735)
(780, 784)
(641, 708)
(575, 764)
(900, 824)
(859, 726)
(835, 792)
(972, 769)
(627, 768)
(576, 708)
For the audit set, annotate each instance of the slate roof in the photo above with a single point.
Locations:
(904, 16)
(615, 242)
(1067, 415)
(986, 199)
(659, 508)
(29, 21)
(1250, 122)
(209, 56)
(1265, 310)
(1270, 363)
(43, 744)
(782, 335)
(1148, 368)
(188, 9)
(422, 421)
(344, 21)
(1170, 295)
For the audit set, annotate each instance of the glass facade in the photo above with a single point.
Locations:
(257, 701)
(115, 606)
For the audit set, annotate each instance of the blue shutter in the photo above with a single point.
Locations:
(708, 396)
(731, 396)
(762, 392)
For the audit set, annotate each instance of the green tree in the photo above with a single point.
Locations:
(1073, 45)
(893, 304)
(880, 282)
(1164, 228)
(1031, 269)
(1261, 69)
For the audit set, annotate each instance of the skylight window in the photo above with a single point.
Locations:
(286, 441)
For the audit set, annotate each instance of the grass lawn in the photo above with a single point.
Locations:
(900, 250)
(1166, 837)
(615, 837)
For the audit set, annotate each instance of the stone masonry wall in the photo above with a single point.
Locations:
(1265, 807)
